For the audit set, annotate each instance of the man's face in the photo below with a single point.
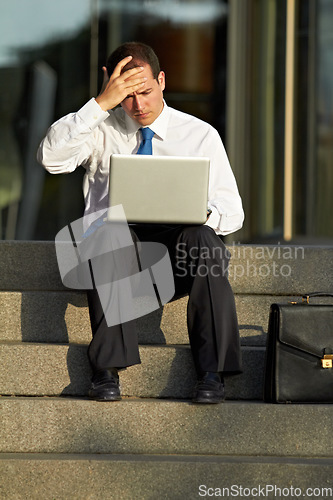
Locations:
(145, 105)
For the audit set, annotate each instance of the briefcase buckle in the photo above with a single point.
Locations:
(327, 361)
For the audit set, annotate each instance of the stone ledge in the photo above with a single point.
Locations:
(254, 269)
(64, 425)
(62, 317)
(124, 477)
(165, 372)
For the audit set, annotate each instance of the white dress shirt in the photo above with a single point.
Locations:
(91, 135)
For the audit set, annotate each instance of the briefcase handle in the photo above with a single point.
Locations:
(306, 298)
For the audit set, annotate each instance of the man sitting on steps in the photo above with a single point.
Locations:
(133, 79)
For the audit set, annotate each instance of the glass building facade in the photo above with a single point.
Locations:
(260, 71)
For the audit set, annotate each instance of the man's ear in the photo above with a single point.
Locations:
(161, 80)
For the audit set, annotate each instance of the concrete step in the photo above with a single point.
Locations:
(254, 269)
(165, 372)
(141, 426)
(144, 477)
(61, 317)
(70, 447)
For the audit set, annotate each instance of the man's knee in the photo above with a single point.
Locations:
(201, 253)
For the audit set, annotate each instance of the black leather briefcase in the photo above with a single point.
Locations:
(299, 352)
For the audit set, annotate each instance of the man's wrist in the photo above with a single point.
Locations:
(102, 103)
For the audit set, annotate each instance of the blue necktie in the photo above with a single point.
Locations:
(146, 147)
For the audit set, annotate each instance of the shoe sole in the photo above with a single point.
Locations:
(207, 401)
(105, 398)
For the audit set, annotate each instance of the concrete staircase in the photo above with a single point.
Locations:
(57, 444)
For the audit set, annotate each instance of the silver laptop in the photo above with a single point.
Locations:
(159, 189)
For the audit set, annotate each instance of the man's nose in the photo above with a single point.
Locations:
(138, 102)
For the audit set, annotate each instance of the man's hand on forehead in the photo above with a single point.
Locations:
(120, 84)
(131, 65)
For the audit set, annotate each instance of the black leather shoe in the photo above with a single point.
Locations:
(105, 386)
(210, 389)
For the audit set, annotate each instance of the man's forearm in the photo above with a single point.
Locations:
(70, 140)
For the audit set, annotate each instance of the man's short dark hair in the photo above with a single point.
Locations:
(141, 53)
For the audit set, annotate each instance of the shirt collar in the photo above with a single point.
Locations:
(159, 126)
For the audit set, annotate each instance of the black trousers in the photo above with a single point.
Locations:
(199, 262)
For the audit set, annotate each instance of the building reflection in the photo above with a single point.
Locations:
(225, 62)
